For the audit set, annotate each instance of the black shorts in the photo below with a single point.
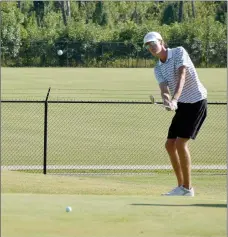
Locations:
(188, 120)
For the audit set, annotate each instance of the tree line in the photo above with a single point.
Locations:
(109, 33)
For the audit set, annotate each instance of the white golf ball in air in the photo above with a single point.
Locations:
(60, 52)
(68, 209)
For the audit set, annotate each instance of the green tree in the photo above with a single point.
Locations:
(100, 15)
(221, 12)
(11, 20)
(32, 31)
(181, 11)
(170, 14)
(39, 10)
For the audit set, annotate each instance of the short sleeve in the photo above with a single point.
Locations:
(158, 75)
(182, 57)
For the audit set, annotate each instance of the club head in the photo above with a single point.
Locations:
(152, 99)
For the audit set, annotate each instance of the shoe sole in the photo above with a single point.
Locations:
(186, 195)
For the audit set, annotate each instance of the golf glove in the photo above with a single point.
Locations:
(173, 105)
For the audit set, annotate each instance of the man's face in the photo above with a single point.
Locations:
(154, 47)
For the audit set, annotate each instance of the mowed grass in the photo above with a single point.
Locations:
(34, 205)
(100, 134)
(97, 83)
(103, 135)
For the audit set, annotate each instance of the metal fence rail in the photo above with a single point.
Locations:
(102, 137)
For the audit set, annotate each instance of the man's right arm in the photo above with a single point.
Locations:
(165, 94)
(164, 91)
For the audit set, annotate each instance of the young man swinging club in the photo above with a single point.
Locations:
(182, 91)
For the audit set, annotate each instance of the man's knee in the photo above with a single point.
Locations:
(182, 143)
(170, 145)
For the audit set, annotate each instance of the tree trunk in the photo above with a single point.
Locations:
(61, 3)
(193, 9)
(79, 4)
(68, 11)
(134, 16)
(19, 4)
(181, 11)
(39, 9)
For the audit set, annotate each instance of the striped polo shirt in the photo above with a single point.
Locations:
(193, 89)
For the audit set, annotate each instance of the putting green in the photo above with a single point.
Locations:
(34, 205)
(26, 215)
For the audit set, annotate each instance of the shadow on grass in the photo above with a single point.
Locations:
(181, 205)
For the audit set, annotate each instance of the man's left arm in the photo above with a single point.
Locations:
(180, 82)
(179, 86)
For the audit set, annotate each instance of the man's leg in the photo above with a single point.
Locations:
(174, 158)
(185, 160)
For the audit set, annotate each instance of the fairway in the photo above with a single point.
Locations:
(34, 205)
(97, 83)
(106, 134)
(100, 134)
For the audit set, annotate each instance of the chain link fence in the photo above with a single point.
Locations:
(106, 54)
(102, 137)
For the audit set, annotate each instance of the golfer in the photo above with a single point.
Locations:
(182, 91)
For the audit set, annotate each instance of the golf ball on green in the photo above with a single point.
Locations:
(68, 209)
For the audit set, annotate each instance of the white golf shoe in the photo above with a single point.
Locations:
(180, 191)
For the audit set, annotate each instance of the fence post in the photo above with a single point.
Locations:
(45, 131)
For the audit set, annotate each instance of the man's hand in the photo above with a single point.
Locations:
(173, 104)
(167, 104)
(170, 105)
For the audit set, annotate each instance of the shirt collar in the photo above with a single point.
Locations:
(170, 54)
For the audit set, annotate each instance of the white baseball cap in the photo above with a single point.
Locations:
(151, 36)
